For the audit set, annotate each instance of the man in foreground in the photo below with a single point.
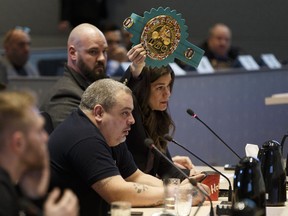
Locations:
(24, 160)
(88, 153)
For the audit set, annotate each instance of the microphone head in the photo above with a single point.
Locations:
(148, 142)
(191, 112)
(168, 137)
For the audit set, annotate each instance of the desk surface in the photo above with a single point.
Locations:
(205, 209)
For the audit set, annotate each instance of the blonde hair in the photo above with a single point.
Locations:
(13, 111)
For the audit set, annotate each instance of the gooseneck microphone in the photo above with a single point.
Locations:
(170, 139)
(191, 113)
(150, 144)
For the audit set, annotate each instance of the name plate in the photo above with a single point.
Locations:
(271, 61)
(248, 62)
(204, 66)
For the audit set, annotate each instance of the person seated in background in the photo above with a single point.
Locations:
(24, 161)
(89, 155)
(152, 91)
(117, 53)
(87, 59)
(218, 48)
(15, 59)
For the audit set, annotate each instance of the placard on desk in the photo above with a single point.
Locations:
(271, 61)
(204, 66)
(248, 62)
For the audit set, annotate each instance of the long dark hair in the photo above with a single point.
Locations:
(156, 123)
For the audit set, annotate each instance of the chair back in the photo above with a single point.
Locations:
(48, 122)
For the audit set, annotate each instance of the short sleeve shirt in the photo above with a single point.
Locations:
(80, 157)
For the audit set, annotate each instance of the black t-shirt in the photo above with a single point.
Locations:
(8, 196)
(80, 157)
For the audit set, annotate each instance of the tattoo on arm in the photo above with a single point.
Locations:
(140, 188)
(160, 202)
(194, 191)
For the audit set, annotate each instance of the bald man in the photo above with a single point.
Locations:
(218, 47)
(86, 63)
(14, 62)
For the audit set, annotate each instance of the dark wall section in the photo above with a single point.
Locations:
(258, 26)
(233, 105)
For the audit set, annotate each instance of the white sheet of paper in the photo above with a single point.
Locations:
(251, 150)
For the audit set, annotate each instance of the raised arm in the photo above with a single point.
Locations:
(137, 56)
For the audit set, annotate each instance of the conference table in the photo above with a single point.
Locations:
(205, 210)
(223, 185)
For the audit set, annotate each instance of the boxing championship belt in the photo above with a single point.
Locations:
(163, 34)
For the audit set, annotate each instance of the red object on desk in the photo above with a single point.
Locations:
(212, 181)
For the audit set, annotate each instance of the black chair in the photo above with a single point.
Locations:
(48, 122)
(51, 67)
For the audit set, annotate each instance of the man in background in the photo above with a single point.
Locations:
(15, 59)
(87, 51)
(117, 53)
(218, 47)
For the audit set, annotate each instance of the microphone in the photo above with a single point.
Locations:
(191, 113)
(150, 144)
(170, 139)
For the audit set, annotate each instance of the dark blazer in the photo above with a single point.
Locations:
(64, 96)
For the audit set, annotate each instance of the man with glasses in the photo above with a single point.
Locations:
(14, 62)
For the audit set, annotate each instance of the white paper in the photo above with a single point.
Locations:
(251, 150)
